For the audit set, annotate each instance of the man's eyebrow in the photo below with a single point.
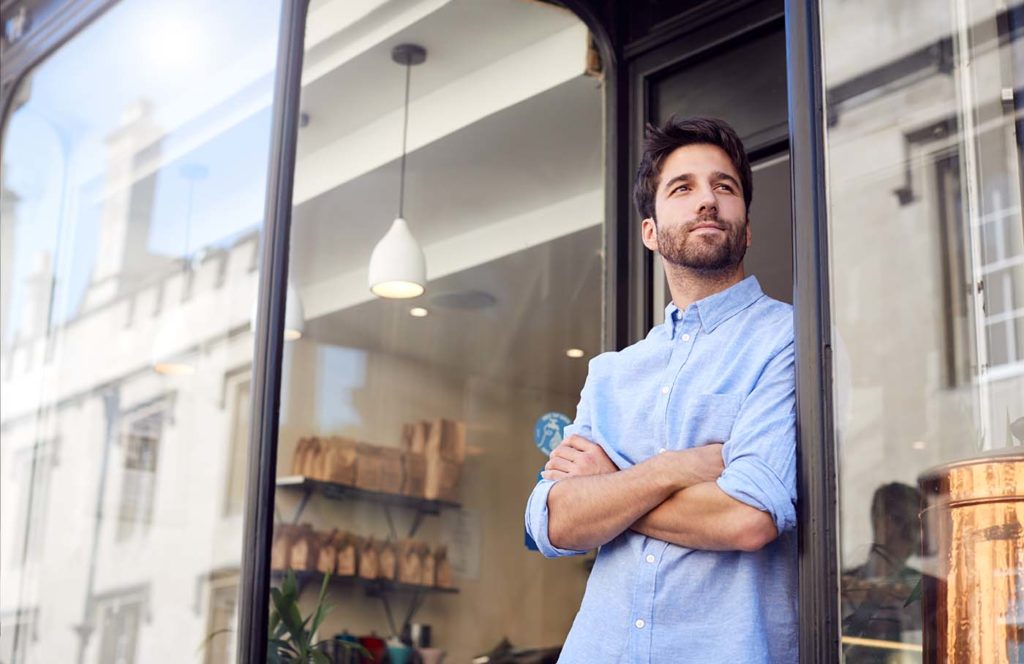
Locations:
(682, 177)
(722, 175)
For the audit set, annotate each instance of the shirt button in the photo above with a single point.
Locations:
(650, 558)
(639, 624)
(686, 337)
(664, 390)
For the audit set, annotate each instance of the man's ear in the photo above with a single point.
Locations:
(649, 234)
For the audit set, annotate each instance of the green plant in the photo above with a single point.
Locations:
(290, 640)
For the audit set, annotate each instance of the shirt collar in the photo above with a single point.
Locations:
(719, 307)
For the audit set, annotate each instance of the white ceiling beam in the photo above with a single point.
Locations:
(514, 78)
(454, 254)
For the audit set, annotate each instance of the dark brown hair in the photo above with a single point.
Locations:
(660, 142)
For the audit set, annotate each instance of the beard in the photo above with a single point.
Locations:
(704, 252)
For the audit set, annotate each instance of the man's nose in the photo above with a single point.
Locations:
(707, 203)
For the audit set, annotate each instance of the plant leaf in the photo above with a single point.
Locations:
(289, 586)
(209, 637)
(289, 613)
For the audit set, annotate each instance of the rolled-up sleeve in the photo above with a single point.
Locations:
(537, 505)
(760, 455)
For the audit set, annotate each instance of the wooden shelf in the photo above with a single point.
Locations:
(373, 587)
(346, 492)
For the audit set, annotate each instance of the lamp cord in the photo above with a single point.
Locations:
(405, 134)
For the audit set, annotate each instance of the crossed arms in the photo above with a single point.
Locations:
(672, 496)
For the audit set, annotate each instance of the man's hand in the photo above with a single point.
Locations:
(701, 464)
(578, 457)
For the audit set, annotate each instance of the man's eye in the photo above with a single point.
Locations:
(725, 187)
(680, 188)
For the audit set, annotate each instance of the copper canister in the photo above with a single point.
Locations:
(972, 525)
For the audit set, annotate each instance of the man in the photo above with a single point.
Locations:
(680, 465)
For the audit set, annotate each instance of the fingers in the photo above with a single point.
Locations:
(578, 443)
(554, 475)
(564, 452)
(559, 464)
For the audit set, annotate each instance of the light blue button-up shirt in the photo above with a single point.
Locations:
(720, 371)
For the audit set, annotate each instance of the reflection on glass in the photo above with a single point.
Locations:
(131, 202)
(407, 448)
(927, 277)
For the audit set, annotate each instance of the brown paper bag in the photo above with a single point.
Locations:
(303, 552)
(327, 553)
(369, 566)
(443, 569)
(346, 545)
(445, 452)
(299, 458)
(390, 469)
(311, 460)
(414, 474)
(368, 463)
(280, 549)
(339, 461)
(386, 561)
(429, 575)
(410, 563)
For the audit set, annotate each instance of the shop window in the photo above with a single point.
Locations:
(407, 445)
(133, 182)
(926, 276)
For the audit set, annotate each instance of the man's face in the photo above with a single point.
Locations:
(701, 214)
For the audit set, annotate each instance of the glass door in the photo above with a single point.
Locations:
(412, 430)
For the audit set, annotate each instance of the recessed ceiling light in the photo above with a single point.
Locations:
(418, 312)
(574, 353)
(919, 445)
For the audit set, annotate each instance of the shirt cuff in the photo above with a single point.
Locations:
(537, 522)
(751, 481)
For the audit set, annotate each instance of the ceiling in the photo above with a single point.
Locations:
(547, 299)
(533, 157)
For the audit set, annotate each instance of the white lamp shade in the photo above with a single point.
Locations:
(398, 268)
(169, 356)
(294, 316)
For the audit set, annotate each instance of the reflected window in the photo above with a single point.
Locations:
(120, 619)
(138, 481)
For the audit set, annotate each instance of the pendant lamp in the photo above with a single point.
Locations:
(398, 268)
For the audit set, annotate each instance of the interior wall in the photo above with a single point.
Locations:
(512, 592)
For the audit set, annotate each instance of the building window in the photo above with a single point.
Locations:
(240, 392)
(120, 617)
(138, 485)
(17, 630)
(223, 620)
(31, 470)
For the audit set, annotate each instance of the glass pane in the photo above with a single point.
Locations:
(407, 442)
(927, 277)
(132, 192)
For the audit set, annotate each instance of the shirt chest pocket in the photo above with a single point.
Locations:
(708, 418)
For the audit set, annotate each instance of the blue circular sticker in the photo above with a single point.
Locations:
(547, 432)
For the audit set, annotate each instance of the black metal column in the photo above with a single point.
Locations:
(269, 341)
(817, 508)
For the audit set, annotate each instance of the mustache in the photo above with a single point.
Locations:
(706, 219)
